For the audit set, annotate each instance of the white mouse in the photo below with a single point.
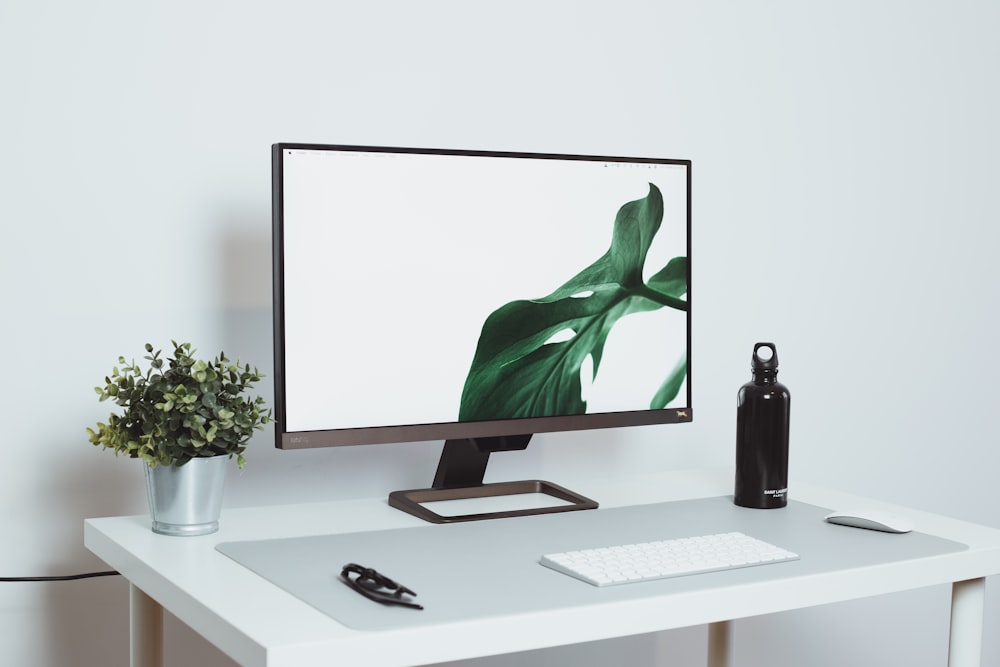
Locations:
(872, 519)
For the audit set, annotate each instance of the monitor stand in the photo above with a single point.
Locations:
(460, 476)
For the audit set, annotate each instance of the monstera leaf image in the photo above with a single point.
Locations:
(530, 352)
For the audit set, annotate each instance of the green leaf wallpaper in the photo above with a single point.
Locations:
(530, 352)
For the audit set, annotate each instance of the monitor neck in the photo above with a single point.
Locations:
(463, 461)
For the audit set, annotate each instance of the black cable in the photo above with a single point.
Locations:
(64, 577)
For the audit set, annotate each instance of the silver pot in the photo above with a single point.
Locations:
(187, 499)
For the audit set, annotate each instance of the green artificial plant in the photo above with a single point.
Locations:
(180, 408)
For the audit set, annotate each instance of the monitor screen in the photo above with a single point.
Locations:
(440, 294)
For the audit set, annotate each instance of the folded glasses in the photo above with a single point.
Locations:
(376, 586)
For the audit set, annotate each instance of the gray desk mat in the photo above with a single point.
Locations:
(490, 568)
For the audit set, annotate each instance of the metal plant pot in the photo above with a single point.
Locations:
(187, 499)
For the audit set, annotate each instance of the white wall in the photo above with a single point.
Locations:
(845, 208)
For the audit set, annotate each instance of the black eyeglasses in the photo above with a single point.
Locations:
(376, 586)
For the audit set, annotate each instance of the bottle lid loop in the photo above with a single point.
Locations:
(765, 357)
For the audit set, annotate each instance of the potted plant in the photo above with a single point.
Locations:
(184, 418)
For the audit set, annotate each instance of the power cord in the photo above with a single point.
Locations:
(64, 577)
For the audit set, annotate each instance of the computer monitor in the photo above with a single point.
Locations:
(476, 297)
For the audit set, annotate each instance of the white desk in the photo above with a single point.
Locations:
(257, 623)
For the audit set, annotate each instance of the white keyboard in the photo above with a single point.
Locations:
(627, 563)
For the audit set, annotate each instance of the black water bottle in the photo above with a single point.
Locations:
(762, 419)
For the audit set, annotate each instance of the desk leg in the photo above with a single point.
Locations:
(720, 644)
(965, 646)
(145, 630)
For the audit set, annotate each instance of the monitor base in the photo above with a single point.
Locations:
(411, 501)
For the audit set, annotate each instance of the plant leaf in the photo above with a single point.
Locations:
(530, 352)
(668, 390)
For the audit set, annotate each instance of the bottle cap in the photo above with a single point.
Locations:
(766, 360)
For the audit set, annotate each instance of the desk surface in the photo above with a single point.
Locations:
(257, 622)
